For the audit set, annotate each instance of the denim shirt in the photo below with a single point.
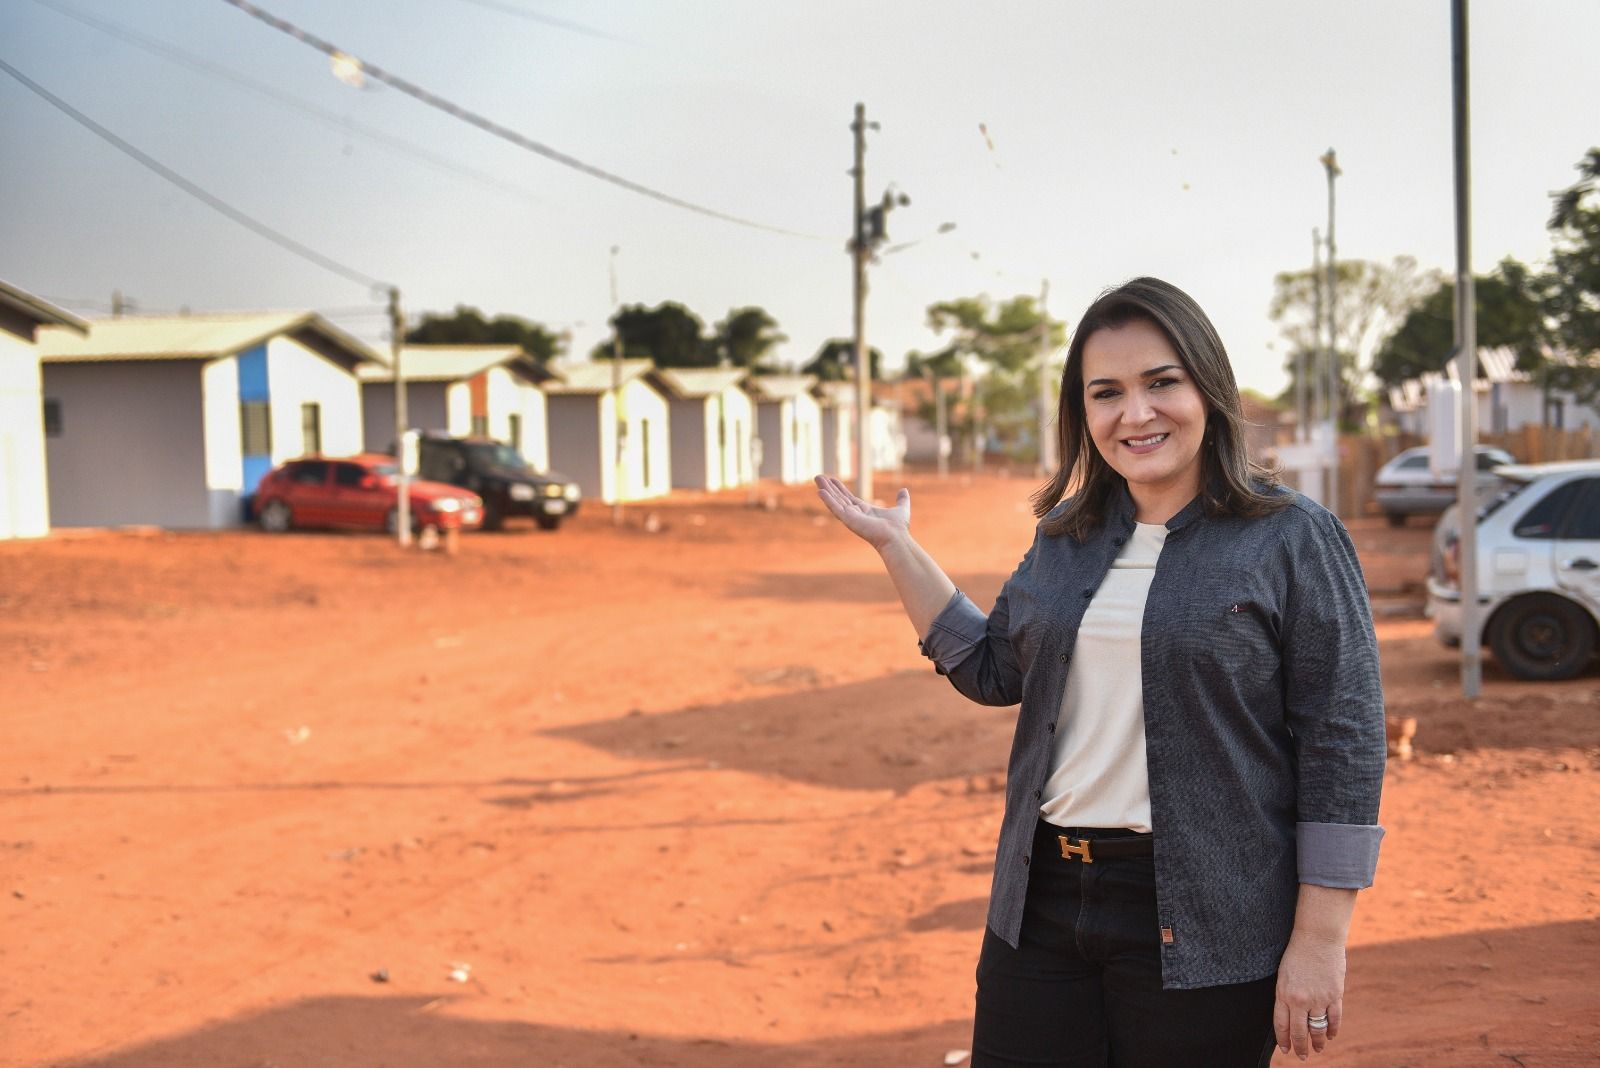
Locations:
(1263, 709)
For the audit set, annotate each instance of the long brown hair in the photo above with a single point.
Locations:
(1228, 479)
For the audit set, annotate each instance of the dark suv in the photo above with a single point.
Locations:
(499, 474)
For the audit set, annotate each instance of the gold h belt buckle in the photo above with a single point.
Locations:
(1079, 849)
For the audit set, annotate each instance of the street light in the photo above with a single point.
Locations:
(1330, 163)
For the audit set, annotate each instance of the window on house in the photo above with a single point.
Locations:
(515, 430)
(52, 418)
(311, 428)
(255, 427)
(480, 426)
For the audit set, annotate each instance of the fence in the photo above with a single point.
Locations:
(1360, 456)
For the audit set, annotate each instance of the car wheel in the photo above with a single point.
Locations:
(1396, 519)
(1542, 637)
(548, 522)
(275, 517)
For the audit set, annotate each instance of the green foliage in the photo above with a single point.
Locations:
(669, 334)
(1372, 298)
(1571, 288)
(467, 326)
(745, 337)
(1508, 313)
(835, 361)
(1003, 340)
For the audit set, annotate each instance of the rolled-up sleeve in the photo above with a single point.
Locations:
(1334, 705)
(974, 650)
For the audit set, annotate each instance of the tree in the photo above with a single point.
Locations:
(745, 337)
(467, 326)
(835, 361)
(1003, 340)
(669, 334)
(1372, 299)
(1508, 313)
(1571, 288)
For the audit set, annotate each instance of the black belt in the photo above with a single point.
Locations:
(1089, 847)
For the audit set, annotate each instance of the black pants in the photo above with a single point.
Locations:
(1083, 987)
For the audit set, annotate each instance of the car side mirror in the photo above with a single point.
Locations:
(369, 481)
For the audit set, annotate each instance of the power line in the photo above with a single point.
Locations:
(548, 20)
(261, 228)
(177, 55)
(504, 133)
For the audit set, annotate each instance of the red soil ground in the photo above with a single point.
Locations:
(678, 798)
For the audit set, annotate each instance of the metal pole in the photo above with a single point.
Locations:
(1047, 442)
(1335, 393)
(1301, 386)
(402, 508)
(619, 469)
(941, 424)
(858, 255)
(1467, 348)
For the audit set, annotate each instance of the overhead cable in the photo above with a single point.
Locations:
(218, 204)
(505, 133)
(548, 20)
(177, 55)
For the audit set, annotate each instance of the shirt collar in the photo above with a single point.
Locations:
(1122, 509)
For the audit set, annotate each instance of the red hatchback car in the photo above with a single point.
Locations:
(357, 491)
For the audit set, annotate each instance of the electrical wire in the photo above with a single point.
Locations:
(218, 204)
(187, 59)
(489, 126)
(548, 20)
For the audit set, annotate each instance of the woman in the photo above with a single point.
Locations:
(1192, 794)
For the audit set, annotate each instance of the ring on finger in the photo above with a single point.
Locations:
(1318, 1022)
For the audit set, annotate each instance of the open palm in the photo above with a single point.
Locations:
(877, 526)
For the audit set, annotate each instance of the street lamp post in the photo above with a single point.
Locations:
(1466, 331)
(619, 467)
(1330, 163)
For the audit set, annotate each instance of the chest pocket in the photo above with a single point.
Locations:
(1231, 623)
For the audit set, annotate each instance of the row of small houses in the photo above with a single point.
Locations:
(173, 421)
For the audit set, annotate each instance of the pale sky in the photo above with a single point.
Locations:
(1179, 139)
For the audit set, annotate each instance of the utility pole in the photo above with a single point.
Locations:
(402, 508)
(1466, 332)
(619, 468)
(1047, 442)
(859, 251)
(1330, 162)
(1301, 386)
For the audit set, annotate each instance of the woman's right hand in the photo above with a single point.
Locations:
(876, 526)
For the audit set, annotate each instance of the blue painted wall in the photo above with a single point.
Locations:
(253, 386)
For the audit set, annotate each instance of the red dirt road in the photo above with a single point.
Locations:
(678, 798)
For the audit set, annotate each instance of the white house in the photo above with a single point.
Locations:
(173, 420)
(585, 413)
(789, 424)
(712, 425)
(1507, 399)
(24, 495)
(491, 391)
(838, 404)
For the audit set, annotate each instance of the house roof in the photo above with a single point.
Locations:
(194, 337)
(36, 309)
(780, 387)
(694, 382)
(594, 376)
(452, 363)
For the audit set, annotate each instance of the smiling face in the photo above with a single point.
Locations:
(1145, 415)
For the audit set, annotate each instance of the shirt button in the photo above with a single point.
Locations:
(1024, 860)
(1037, 794)
(1051, 727)
(1065, 658)
(1088, 593)
(1118, 541)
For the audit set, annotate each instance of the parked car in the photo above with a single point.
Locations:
(499, 474)
(1405, 486)
(1538, 564)
(357, 491)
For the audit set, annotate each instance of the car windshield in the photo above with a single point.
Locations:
(486, 456)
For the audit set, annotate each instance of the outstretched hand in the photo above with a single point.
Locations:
(876, 526)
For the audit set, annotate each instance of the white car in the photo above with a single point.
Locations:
(1538, 570)
(1405, 485)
